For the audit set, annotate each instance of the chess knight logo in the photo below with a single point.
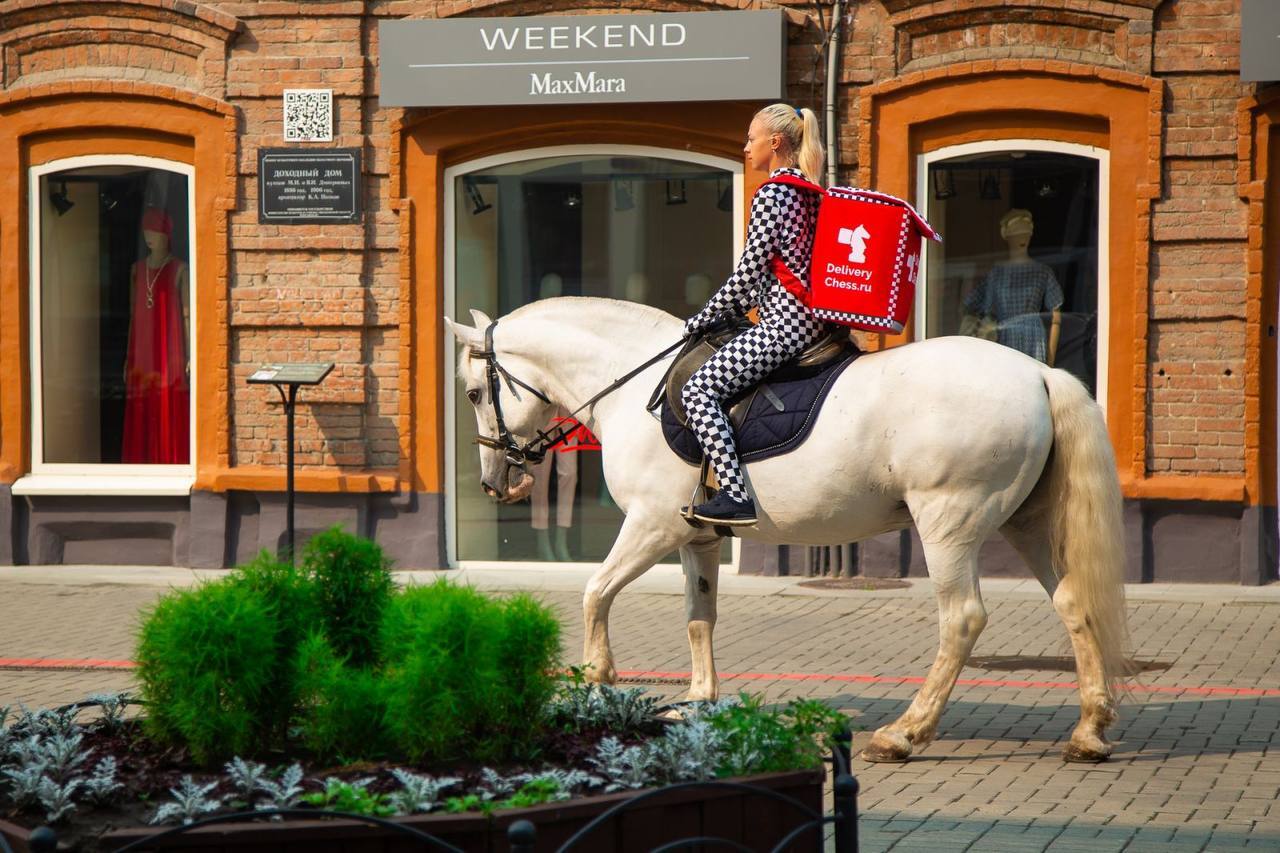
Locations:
(856, 240)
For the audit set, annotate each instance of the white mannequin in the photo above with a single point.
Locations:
(550, 286)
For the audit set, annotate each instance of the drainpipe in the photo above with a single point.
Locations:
(833, 66)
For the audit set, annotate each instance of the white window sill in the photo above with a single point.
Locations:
(73, 484)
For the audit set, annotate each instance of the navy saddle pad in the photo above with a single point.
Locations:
(766, 432)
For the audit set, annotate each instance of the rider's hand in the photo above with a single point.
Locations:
(695, 325)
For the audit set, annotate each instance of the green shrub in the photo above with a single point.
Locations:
(352, 582)
(457, 683)
(343, 709)
(207, 663)
(293, 597)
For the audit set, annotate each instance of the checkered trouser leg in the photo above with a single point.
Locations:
(787, 329)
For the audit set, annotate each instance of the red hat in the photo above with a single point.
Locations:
(155, 219)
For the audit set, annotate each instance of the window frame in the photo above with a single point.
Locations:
(102, 478)
(1102, 156)
(449, 356)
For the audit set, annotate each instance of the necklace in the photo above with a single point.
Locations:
(151, 281)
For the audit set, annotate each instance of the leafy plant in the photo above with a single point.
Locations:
(247, 777)
(353, 797)
(418, 793)
(25, 781)
(190, 802)
(102, 784)
(623, 767)
(285, 793)
(353, 585)
(63, 755)
(536, 792)
(55, 797)
(759, 740)
(689, 752)
(113, 707)
(578, 706)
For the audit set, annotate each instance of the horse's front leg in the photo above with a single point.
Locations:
(961, 618)
(701, 561)
(644, 538)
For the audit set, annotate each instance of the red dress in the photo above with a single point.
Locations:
(157, 407)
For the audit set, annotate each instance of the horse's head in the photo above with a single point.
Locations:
(502, 429)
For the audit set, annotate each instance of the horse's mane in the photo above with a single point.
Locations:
(615, 312)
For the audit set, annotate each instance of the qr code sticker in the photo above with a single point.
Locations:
(308, 115)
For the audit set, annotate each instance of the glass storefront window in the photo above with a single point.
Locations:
(113, 315)
(640, 228)
(1019, 261)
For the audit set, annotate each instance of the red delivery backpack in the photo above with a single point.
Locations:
(866, 258)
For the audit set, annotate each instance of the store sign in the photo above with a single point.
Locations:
(687, 56)
(299, 186)
(1260, 40)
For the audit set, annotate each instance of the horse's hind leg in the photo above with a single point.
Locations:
(961, 618)
(642, 541)
(1030, 537)
(701, 560)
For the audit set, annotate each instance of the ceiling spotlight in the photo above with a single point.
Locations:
(1045, 189)
(676, 192)
(478, 204)
(572, 200)
(60, 201)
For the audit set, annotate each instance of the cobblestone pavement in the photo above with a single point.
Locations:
(1197, 763)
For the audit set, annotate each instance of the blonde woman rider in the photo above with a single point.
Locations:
(771, 276)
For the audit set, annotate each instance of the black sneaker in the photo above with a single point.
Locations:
(723, 509)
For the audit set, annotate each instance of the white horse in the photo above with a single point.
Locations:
(960, 437)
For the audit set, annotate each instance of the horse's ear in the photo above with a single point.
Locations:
(481, 319)
(466, 335)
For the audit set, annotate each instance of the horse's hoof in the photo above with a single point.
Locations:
(887, 747)
(1086, 750)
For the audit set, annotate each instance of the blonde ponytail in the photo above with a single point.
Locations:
(803, 136)
(812, 155)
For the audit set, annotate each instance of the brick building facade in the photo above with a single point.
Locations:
(1186, 262)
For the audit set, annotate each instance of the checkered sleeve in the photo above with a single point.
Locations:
(740, 292)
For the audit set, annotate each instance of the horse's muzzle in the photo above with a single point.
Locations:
(519, 487)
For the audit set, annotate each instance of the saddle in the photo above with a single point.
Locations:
(769, 418)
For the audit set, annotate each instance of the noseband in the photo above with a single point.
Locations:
(534, 450)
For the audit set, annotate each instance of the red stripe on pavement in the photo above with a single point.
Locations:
(64, 663)
(96, 663)
(972, 682)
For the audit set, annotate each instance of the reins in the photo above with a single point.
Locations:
(536, 449)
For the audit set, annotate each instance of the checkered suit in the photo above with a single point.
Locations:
(783, 220)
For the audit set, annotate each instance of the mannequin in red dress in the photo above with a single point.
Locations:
(157, 411)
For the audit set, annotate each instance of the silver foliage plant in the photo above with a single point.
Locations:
(418, 794)
(102, 784)
(190, 802)
(689, 751)
(113, 706)
(55, 797)
(283, 794)
(247, 777)
(589, 706)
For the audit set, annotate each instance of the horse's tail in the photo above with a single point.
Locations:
(1086, 532)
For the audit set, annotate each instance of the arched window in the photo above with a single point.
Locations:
(641, 224)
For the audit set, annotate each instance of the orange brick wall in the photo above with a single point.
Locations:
(334, 292)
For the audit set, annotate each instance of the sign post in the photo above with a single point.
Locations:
(290, 376)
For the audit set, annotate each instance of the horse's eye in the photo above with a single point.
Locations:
(473, 394)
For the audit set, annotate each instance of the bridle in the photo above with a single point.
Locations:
(534, 450)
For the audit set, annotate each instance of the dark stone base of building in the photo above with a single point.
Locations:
(1189, 541)
(1167, 541)
(210, 530)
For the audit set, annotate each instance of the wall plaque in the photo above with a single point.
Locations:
(581, 59)
(299, 186)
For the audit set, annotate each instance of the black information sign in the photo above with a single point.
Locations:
(299, 186)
